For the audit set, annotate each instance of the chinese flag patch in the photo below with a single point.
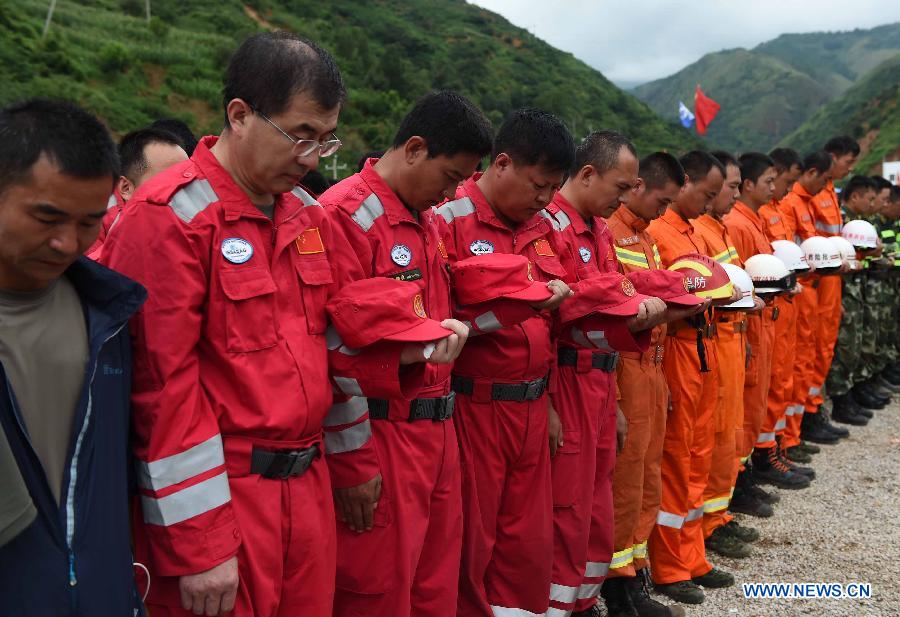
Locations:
(310, 242)
(542, 248)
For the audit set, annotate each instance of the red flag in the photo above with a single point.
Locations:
(705, 109)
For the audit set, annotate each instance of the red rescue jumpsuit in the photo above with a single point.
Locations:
(677, 551)
(828, 221)
(408, 564)
(644, 400)
(229, 356)
(729, 415)
(504, 449)
(746, 229)
(585, 399)
(113, 211)
(780, 402)
(797, 214)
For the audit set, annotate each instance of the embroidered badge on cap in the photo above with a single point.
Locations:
(530, 277)
(237, 250)
(585, 253)
(419, 306)
(401, 255)
(687, 286)
(542, 248)
(481, 247)
(442, 249)
(628, 288)
(309, 242)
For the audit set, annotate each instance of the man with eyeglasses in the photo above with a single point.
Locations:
(231, 381)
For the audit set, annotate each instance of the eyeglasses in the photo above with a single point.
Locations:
(305, 147)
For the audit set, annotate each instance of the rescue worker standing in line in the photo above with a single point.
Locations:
(643, 398)
(690, 367)
(584, 397)
(826, 212)
(760, 424)
(398, 492)
(231, 367)
(722, 534)
(501, 378)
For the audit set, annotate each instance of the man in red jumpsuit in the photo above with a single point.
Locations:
(402, 558)
(231, 366)
(501, 379)
(584, 397)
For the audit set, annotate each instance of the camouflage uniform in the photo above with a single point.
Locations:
(888, 232)
(878, 306)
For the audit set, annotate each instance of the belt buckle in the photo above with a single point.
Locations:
(445, 407)
(534, 390)
(418, 409)
(295, 463)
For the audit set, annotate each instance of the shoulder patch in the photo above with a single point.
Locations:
(192, 199)
(542, 248)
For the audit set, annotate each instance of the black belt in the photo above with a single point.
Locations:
(282, 464)
(606, 362)
(524, 391)
(437, 409)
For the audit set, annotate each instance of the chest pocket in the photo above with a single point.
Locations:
(315, 277)
(586, 270)
(250, 309)
(550, 268)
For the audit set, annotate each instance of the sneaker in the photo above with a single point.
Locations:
(715, 579)
(796, 455)
(638, 590)
(809, 448)
(812, 429)
(686, 592)
(745, 534)
(727, 545)
(768, 468)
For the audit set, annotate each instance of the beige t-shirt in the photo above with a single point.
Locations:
(44, 351)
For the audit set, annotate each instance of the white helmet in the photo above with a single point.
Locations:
(769, 274)
(791, 254)
(848, 253)
(741, 280)
(861, 234)
(821, 253)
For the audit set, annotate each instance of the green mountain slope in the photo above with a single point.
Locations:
(771, 90)
(103, 54)
(869, 111)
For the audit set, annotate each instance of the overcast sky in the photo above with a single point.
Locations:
(641, 40)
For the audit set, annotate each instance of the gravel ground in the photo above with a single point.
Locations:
(842, 529)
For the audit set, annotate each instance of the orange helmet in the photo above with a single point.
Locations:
(704, 275)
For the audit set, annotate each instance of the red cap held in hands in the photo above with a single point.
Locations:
(375, 309)
(496, 275)
(669, 286)
(608, 294)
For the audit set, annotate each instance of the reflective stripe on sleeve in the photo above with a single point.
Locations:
(765, 438)
(161, 473)
(504, 611)
(622, 558)
(347, 412)
(188, 502)
(589, 590)
(596, 569)
(488, 322)
(368, 212)
(192, 199)
(640, 550)
(349, 439)
(456, 208)
(667, 519)
(563, 593)
(694, 514)
(348, 385)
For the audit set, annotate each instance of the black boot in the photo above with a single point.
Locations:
(812, 429)
(797, 455)
(865, 397)
(638, 589)
(843, 411)
(809, 448)
(825, 417)
(615, 595)
(744, 501)
(769, 469)
(859, 409)
(809, 472)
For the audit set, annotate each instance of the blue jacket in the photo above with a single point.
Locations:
(75, 559)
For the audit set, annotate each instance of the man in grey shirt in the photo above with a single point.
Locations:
(65, 369)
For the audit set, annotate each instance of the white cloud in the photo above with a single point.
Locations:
(643, 40)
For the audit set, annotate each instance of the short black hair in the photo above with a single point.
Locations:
(842, 145)
(450, 124)
(659, 168)
(133, 162)
(535, 137)
(753, 165)
(315, 182)
(785, 158)
(818, 160)
(74, 140)
(374, 154)
(601, 149)
(698, 163)
(726, 158)
(181, 130)
(895, 193)
(270, 68)
(856, 184)
(881, 183)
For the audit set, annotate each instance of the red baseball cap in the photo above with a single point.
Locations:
(705, 276)
(667, 285)
(496, 275)
(607, 294)
(375, 309)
